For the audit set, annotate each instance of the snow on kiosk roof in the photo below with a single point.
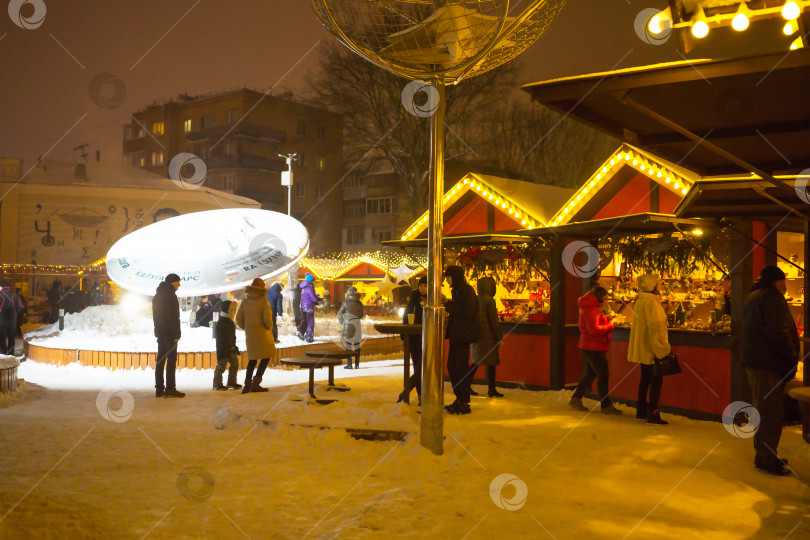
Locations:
(518, 204)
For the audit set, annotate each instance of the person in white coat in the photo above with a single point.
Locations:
(648, 340)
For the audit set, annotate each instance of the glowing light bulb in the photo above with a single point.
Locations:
(454, 191)
(593, 183)
(523, 222)
(531, 226)
(517, 214)
(669, 179)
(598, 176)
(619, 156)
(497, 201)
(484, 193)
(573, 204)
(490, 196)
(659, 174)
(789, 28)
(700, 29)
(565, 211)
(739, 22)
(511, 211)
(404, 237)
(584, 190)
(654, 25)
(684, 191)
(503, 205)
(677, 185)
(579, 197)
(791, 10)
(796, 44)
(635, 162)
(466, 181)
(643, 167)
(604, 169)
(627, 157)
(613, 162)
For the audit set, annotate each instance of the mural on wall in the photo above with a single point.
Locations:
(55, 232)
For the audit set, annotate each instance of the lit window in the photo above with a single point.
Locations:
(187, 125)
(321, 163)
(158, 128)
(157, 159)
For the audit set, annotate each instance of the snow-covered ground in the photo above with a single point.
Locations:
(128, 328)
(82, 462)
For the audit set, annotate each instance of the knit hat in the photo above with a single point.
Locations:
(647, 282)
(172, 278)
(771, 274)
(258, 282)
(226, 306)
(310, 278)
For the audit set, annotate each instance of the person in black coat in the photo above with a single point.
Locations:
(204, 315)
(55, 301)
(227, 352)
(275, 298)
(166, 316)
(416, 301)
(297, 305)
(463, 329)
(22, 317)
(770, 355)
(11, 309)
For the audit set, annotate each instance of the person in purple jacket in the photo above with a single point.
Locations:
(308, 302)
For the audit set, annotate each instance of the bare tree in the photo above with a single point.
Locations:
(533, 143)
(376, 123)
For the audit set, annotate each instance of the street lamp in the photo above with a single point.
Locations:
(287, 178)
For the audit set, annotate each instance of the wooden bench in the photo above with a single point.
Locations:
(311, 364)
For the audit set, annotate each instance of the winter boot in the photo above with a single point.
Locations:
(463, 408)
(655, 418)
(235, 385)
(348, 364)
(254, 386)
(576, 403)
(247, 387)
(610, 409)
(357, 363)
(173, 393)
(221, 388)
(493, 392)
(641, 410)
(159, 392)
(473, 392)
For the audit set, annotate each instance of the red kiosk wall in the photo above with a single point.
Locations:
(703, 385)
(471, 219)
(632, 198)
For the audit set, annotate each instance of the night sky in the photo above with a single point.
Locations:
(220, 44)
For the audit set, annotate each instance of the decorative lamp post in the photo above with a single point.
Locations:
(439, 42)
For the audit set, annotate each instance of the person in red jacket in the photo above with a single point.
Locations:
(594, 341)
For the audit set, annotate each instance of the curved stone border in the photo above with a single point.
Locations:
(197, 360)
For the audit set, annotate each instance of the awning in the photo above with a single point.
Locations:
(461, 240)
(617, 227)
(756, 109)
(748, 199)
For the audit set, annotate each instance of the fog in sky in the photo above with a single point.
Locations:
(162, 48)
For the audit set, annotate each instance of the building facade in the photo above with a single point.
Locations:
(239, 135)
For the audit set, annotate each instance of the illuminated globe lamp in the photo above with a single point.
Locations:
(438, 42)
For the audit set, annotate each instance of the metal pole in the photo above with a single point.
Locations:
(432, 432)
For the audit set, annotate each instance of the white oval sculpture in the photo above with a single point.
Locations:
(212, 252)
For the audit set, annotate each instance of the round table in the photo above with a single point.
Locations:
(311, 364)
(404, 330)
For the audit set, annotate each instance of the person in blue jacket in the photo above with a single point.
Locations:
(274, 296)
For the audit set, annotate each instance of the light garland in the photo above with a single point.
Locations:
(489, 194)
(334, 266)
(625, 156)
(700, 23)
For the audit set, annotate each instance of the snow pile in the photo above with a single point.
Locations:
(129, 328)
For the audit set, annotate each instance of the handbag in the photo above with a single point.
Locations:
(667, 365)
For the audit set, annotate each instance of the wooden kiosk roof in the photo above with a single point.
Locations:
(755, 109)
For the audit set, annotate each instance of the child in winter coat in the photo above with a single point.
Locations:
(349, 316)
(227, 352)
(309, 299)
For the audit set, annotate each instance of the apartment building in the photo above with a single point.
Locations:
(239, 135)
